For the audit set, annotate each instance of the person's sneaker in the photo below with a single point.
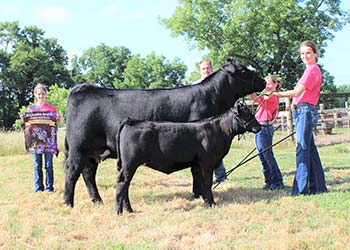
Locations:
(220, 180)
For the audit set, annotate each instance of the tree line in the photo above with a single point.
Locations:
(28, 58)
(261, 34)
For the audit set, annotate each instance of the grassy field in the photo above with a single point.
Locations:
(245, 217)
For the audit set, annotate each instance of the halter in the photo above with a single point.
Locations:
(229, 74)
(243, 123)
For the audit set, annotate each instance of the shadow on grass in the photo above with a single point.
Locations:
(327, 169)
(338, 181)
(242, 195)
(238, 195)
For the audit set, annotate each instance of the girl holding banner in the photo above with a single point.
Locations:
(41, 137)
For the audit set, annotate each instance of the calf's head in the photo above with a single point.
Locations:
(247, 118)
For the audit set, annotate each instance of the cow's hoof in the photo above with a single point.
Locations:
(68, 204)
(130, 210)
(99, 201)
(196, 196)
(209, 204)
(119, 211)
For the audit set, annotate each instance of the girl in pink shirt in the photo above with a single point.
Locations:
(265, 114)
(41, 105)
(309, 176)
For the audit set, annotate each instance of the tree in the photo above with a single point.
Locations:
(58, 96)
(263, 34)
(135, 74)
(162, 73)
(27, 58)
(117, 67)
(345, 88)
(101, 65)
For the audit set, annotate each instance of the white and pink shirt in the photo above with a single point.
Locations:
(267, 109)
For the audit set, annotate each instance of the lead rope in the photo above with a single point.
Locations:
(245, 160)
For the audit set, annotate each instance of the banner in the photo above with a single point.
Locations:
(40, 132)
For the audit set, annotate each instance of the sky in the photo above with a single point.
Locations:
(81, 24)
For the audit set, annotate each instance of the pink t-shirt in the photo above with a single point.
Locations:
(45, 108)
(267, 109)
(311, 79)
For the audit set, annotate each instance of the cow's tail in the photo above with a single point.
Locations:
(66, 149)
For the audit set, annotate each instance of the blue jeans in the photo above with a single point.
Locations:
(309, 176)
(38, 172)
(220, 172)
(271, 171)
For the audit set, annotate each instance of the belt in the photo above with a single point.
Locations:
(300, 104)
(266, 123)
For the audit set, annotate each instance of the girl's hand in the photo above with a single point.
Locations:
(268, 95)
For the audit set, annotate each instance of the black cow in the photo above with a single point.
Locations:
(94, 115)
(172, 146)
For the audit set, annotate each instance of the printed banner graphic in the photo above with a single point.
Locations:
(40, 132)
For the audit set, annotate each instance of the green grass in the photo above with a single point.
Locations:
(245, 217)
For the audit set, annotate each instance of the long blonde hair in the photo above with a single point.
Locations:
(274, 80)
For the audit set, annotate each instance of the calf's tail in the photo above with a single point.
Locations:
(121, 126)
(128, 121)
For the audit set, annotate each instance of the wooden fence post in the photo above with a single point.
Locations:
(289, 117)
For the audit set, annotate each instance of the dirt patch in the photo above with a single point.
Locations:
(334, 138)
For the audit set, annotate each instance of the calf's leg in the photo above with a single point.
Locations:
(197, 182)
(207, 177)
(122, 193)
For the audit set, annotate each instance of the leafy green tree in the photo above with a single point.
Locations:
(27, 58)
(162, 73)
(58, 97)
(135, 74)
(152, 72)
(345, 88)
(101, 65)
(116, 67)
(263, 34)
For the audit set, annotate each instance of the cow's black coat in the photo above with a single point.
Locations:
(94, 115)
(169, 147)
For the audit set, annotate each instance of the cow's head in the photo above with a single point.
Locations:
(242, 79)
(247, 118)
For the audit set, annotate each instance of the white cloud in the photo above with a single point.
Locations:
(124, 15)
(53, 14)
